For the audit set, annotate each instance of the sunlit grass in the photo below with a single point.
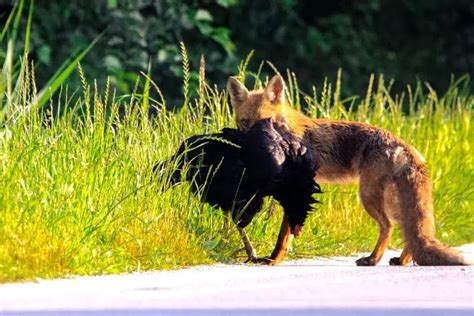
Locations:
(76, 195)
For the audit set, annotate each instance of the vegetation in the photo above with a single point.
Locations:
(407, 40)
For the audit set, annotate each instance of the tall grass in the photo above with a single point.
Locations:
(76, 195)
(16, 68)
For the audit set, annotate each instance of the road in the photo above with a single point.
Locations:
(304, 287)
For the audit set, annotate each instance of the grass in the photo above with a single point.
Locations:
(76, 196)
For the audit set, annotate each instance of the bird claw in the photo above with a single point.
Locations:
(293, 149)
(260, 260)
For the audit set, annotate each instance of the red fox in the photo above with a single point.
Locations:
(394, 185)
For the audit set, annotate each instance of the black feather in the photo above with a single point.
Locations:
(236, 170)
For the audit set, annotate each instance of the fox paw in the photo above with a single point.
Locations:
(366, 261)
(395, 261)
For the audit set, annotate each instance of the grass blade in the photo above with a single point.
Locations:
(7, 24)
(59, 77)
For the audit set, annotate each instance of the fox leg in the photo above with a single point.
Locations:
(283, 243)
(371, 196)
(404, 259)
(385, 231)
(281, 248)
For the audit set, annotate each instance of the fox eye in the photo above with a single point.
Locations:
(244, 123)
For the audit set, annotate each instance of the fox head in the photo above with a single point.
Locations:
(252, 106)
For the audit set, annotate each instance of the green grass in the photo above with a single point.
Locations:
(76, 196)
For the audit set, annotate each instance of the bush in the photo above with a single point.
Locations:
(427, 40)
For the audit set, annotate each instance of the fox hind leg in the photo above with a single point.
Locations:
(372, 198)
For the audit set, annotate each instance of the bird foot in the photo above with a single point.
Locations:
(260, 260)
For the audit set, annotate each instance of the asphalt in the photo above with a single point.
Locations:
(332, 286)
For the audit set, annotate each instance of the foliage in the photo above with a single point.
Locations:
(137, 33)
(407, 40)
(19, 72)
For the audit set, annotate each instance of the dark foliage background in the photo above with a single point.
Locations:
(404, 39)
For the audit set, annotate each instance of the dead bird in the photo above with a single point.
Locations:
(234, 170)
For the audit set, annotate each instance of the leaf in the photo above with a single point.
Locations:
(212, 243)
(111, 4)
(7, 24)
(222, 36)
(28, 29)
(203, 15)
(227, 3)
(112, 63)
(17, 21)
(44, 54)
(146, 91)
(205, 28)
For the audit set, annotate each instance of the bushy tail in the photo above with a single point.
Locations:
(417, 222)
(432, 252)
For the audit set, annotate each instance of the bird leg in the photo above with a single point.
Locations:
(250, 250)
(251, 253)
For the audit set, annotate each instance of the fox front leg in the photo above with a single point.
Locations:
(283, 244)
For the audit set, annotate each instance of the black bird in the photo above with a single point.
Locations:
(235, 171)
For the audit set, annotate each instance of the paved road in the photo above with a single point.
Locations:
(304, 287)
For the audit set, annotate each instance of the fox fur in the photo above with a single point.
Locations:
(394, 185)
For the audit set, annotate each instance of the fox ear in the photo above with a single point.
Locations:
(275, 90)
(237, 90)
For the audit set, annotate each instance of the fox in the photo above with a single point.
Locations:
(394, 183)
